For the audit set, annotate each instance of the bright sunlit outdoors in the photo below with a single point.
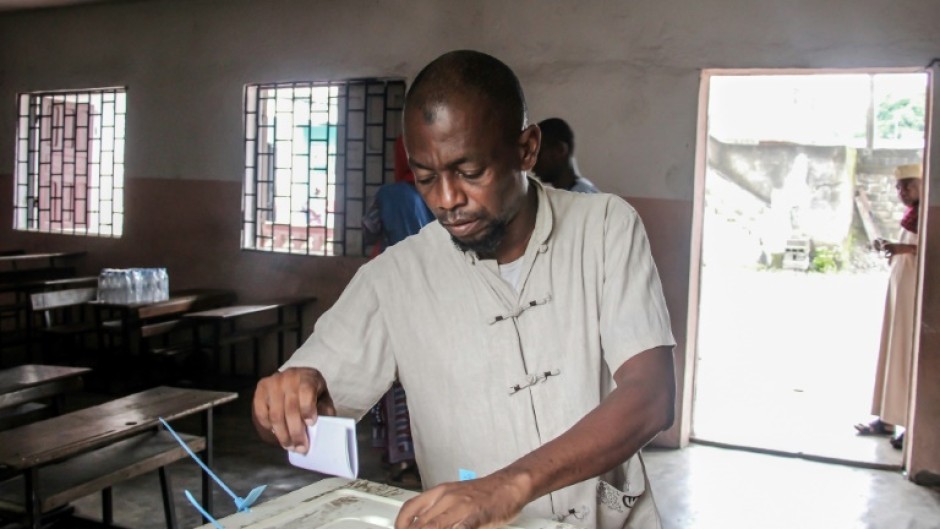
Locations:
(799, 183)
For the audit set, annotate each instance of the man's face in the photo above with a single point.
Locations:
(908, 191)
(468, 172)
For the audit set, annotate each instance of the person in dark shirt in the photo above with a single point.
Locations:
(556, 164)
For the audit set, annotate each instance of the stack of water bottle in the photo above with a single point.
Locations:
(133, 285)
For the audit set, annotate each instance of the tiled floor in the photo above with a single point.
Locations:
(697, 487)
(707, 487)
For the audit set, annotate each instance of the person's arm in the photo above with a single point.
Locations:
(350, 348)
(636, 410)
(894, 248)
(372, 229)
(288, 401)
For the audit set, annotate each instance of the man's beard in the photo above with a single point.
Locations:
(488, 244)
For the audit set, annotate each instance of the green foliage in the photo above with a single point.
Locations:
(826, 260)
(900, 117)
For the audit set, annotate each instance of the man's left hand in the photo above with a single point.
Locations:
(484, 503)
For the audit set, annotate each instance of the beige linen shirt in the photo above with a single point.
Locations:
(492, 374)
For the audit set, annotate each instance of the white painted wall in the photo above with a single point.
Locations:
(624, 73)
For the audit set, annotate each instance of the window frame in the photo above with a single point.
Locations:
(69, 174)
(362, 119)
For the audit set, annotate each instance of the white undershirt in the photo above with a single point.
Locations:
(511, 273)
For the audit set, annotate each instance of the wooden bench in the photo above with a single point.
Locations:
(24, 414)
(101, 469)
(64, 316)
(122, 325)
(51, 258)
(31, 392)
(294, 325)
(225, 332)
(13, 280)
(45, 285)
(131, 332)
(15, 286)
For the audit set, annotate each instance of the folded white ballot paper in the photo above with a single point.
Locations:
(332, 450)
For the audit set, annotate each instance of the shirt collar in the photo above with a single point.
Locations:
(544, 217)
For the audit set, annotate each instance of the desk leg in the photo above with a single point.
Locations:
(33, 510)
(231, 349)
(207, 459)
(28, 329)
(217, 347)
(58, 403)
(99, 329)
(197, 349)
(169, 507)
(280, 336)
(107, 506)
(126, 333)
(299, 315)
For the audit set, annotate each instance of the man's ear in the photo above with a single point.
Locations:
(529, 143)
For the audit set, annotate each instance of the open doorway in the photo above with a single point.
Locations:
(798, 182)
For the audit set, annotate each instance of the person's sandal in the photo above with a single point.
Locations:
(875, 427)
(898, 441)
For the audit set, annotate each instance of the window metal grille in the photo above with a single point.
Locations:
(70, 162)
(315, 155)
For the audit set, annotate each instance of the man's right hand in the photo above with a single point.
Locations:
(286, 402)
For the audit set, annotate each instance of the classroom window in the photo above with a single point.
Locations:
(70, 162)
(315, 155)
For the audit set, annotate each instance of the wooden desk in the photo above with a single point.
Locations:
(19, 280)
(16, 287)
(28, 448)
(32, 382)
(224, 331)
(127, 319)
(180, 302)
(43, 285)
(297, 305)
(46, 267)
(51, 257)
(24, 309)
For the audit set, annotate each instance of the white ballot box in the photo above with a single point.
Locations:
(340, 503)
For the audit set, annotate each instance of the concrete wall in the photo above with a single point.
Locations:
(624, 73)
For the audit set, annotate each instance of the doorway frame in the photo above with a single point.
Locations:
(920, 440)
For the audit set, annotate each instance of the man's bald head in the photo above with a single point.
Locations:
(467, 75)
